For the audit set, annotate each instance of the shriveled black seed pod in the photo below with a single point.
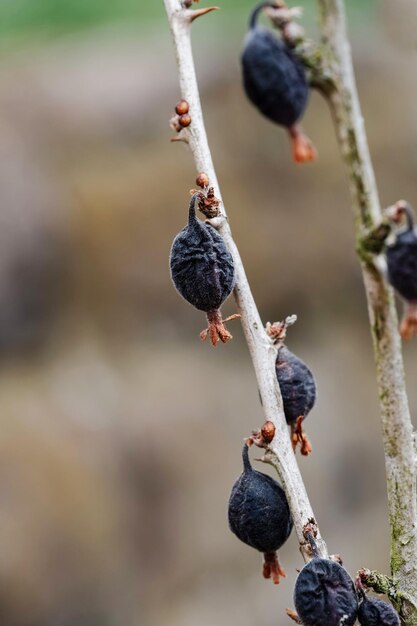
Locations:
(324, 594)
(374, 612)
(298, 389)
(402, 272)
(275, 82)
(259, 515)
(202, 271)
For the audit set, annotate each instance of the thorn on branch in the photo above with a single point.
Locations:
(262, 438)
(193, 15)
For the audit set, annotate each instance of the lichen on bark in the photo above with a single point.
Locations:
(395, 415)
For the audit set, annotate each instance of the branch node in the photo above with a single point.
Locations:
(180, 138)
(373, 242)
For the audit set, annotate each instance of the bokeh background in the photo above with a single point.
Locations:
(120, 433)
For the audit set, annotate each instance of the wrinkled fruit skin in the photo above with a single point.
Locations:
(374, 612)
(297, 384)
(325, 595)
(202, 268)
(274, 80)
(258, 510)
(402, 264)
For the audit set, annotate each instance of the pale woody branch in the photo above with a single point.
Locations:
(261, 348)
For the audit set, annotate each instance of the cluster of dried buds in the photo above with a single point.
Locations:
(182, 118)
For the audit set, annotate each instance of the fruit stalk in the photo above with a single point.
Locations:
(395, 415)
(261, 348)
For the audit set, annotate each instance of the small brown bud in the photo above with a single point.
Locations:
(202, 180)
(184, 120)
(268, 432)
(182, 107)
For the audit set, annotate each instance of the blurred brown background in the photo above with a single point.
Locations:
(120, 432)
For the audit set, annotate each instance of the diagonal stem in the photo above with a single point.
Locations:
(261, 348)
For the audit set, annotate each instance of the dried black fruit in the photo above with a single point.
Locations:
(275, 82)
(298, 390)
(324, 594)
(374, 612)
(259, 515)
(402, 270)
(202, 270)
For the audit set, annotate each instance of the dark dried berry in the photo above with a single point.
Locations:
(298, 390)
(275, 82)
(324, 594)
(202, 270)
(374, 612)
(402, 272)
(259, 515)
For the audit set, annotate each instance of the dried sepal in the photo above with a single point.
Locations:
(299, 437)
(277, 331)
(208, 204)
(174, 123)
(293, 615)
(182, 107)
(216, 328)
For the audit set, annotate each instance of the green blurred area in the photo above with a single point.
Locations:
(53, 18)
